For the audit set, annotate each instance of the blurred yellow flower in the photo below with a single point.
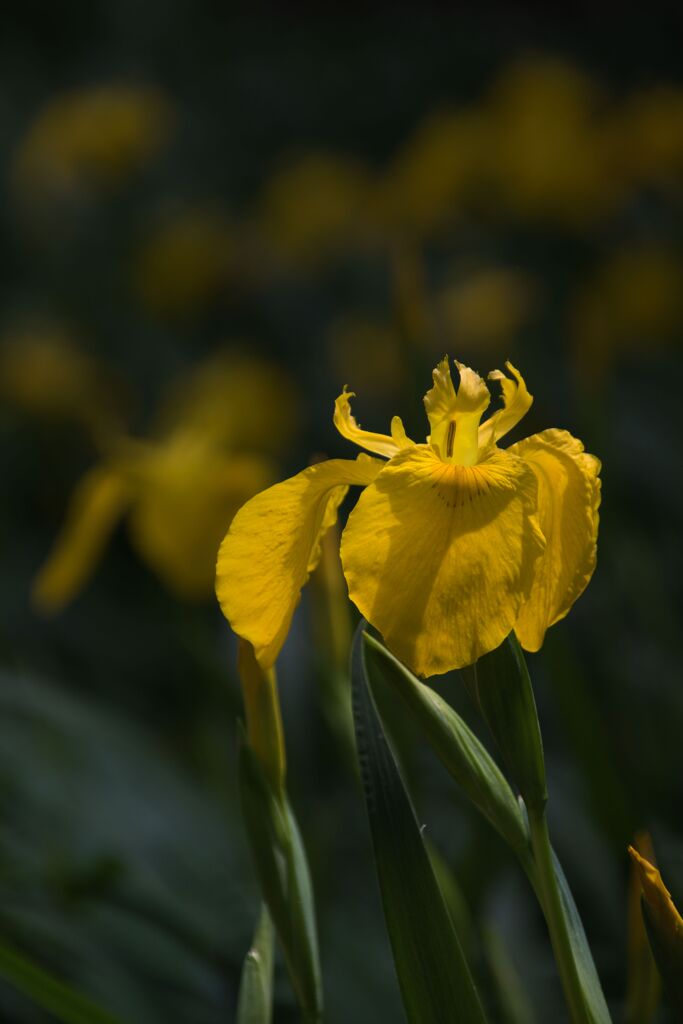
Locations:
(647, 137)
(185, 263)
(436, 172)
(633, 303)
(452, 544)
(91, 136)
(238, 401)
(549, 159)
(314, 209)
(44, 373)
(485, 309)
(178, 496)
(177, 492)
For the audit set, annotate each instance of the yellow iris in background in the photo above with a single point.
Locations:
(91, 137)
(177, 490)
(452, 544)
(176, 493)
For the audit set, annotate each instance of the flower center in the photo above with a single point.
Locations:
(461, 441)
(454, 416)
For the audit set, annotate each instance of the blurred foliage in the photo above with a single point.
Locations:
(213, 220)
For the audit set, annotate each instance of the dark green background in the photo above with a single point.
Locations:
(122, 858)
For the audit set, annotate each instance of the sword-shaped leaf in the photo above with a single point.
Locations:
(434, 977)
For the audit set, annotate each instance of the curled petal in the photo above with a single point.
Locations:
(99, 501)
(473, 395)
(516, 404)
(439, 556)
(380, 444)
(273, 545)
(568, 501)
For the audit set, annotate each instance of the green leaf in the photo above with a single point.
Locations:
(505, 695)
(48, 992)
(591, 988)
(462, 754)
(474, 770)
(500, 681)
(434, 977)
(255, 1000)
(283, 874)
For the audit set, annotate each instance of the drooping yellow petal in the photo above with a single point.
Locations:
(454, 417)
(568, 501)
(516, 404)
(99, 500)
(439, 556)
(380, 444)
(273, 545)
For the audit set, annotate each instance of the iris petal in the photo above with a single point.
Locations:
(516, 403)
(440, 401)
(99, 501)
(568, 501)
(273, 545)
(380, 444)
(439, 556)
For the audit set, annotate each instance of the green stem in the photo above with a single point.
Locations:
(551, 901)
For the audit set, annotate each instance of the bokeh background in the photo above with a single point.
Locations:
(211, 221)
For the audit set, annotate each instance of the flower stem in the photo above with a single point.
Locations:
(551, 901)
(264, 719)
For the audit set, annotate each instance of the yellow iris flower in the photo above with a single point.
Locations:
(176, 493)
(95, 136)
(452, 544)
(211, 451)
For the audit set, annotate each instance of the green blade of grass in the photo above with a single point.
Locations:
(49, 992)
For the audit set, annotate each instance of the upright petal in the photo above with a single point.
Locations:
(439, 556)
(516, 404)
(380, 444)
(454, 418)
(568, 501)
(273, 545)
(99, 501)
(440, 400)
